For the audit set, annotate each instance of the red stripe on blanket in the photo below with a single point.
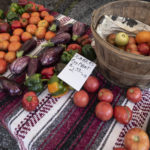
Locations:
(73, 119)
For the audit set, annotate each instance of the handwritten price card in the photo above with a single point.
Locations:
(77, 71)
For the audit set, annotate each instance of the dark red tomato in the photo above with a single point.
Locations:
(30, 101)
(134, 94)
(81, 98)
(104, 111)
(92, 84)
(105, 95)
(122, 114)
(119, 148)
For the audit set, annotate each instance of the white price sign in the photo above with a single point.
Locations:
(77, 71)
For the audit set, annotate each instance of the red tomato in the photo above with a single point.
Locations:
(134, 94)
(122, 114)
(104, 111)
(119, 148)
(105, 95)
(81, 98)
(92, 84)
(30, 101)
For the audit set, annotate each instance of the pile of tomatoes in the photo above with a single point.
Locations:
(139, 45)
(33, 23)
(104, 110)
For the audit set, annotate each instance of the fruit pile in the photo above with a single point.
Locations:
(21, 23)
(139, 45)
(104, 110)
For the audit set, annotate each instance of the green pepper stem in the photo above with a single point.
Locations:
(43, 80)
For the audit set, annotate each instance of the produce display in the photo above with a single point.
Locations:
(24, 25)
(138, 45)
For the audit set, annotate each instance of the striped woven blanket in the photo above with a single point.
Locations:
(58, 124)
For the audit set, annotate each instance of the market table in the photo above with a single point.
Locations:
(65, 126)
(58, 124)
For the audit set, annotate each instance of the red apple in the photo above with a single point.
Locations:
(131, 47)
(143, 48)
(111, 38)
(131, 40)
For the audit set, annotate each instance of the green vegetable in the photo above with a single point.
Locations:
(57, 87)
(1, 14)
(88, 52)
(28, 7)
(21, 10)
(12, 16)
(35, 83)
(67, 55)
(14, 7)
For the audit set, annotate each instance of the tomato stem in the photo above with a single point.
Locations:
(131, 90)
(29, 98)
(136, 138)
(101, 94)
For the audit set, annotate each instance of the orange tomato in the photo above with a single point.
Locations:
(49, 18)
(25, 15)
(40, 32)
(31, 28)
(49, 35)
(26, 36)
(143, 37)
(14, 46)
(18, 32)
(44, 13)
(34, 20)
(136, 139)
(2, 54)
(14, 38)
(4, 45)
(3, 66)
(10, 57)
(24, 22)
(4, 37)
(43, 23)
(35, 14)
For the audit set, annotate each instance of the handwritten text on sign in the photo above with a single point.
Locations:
(77, 71)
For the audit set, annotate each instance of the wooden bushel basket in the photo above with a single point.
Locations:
(120, 67)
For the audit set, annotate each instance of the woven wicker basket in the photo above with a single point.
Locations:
(120, 67)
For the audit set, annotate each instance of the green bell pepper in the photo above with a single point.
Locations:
(67, 55)
(14, 7)
(12, 16)
(35, 83)
(88, 52)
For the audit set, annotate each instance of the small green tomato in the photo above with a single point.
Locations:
(121, 39)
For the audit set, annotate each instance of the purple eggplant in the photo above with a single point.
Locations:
(33, 66)
(19, 65)
(62, 38)
(65, 28)
(10, 86)
(51, 56)
(78, 30)
(54, 27)
(28, 46)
